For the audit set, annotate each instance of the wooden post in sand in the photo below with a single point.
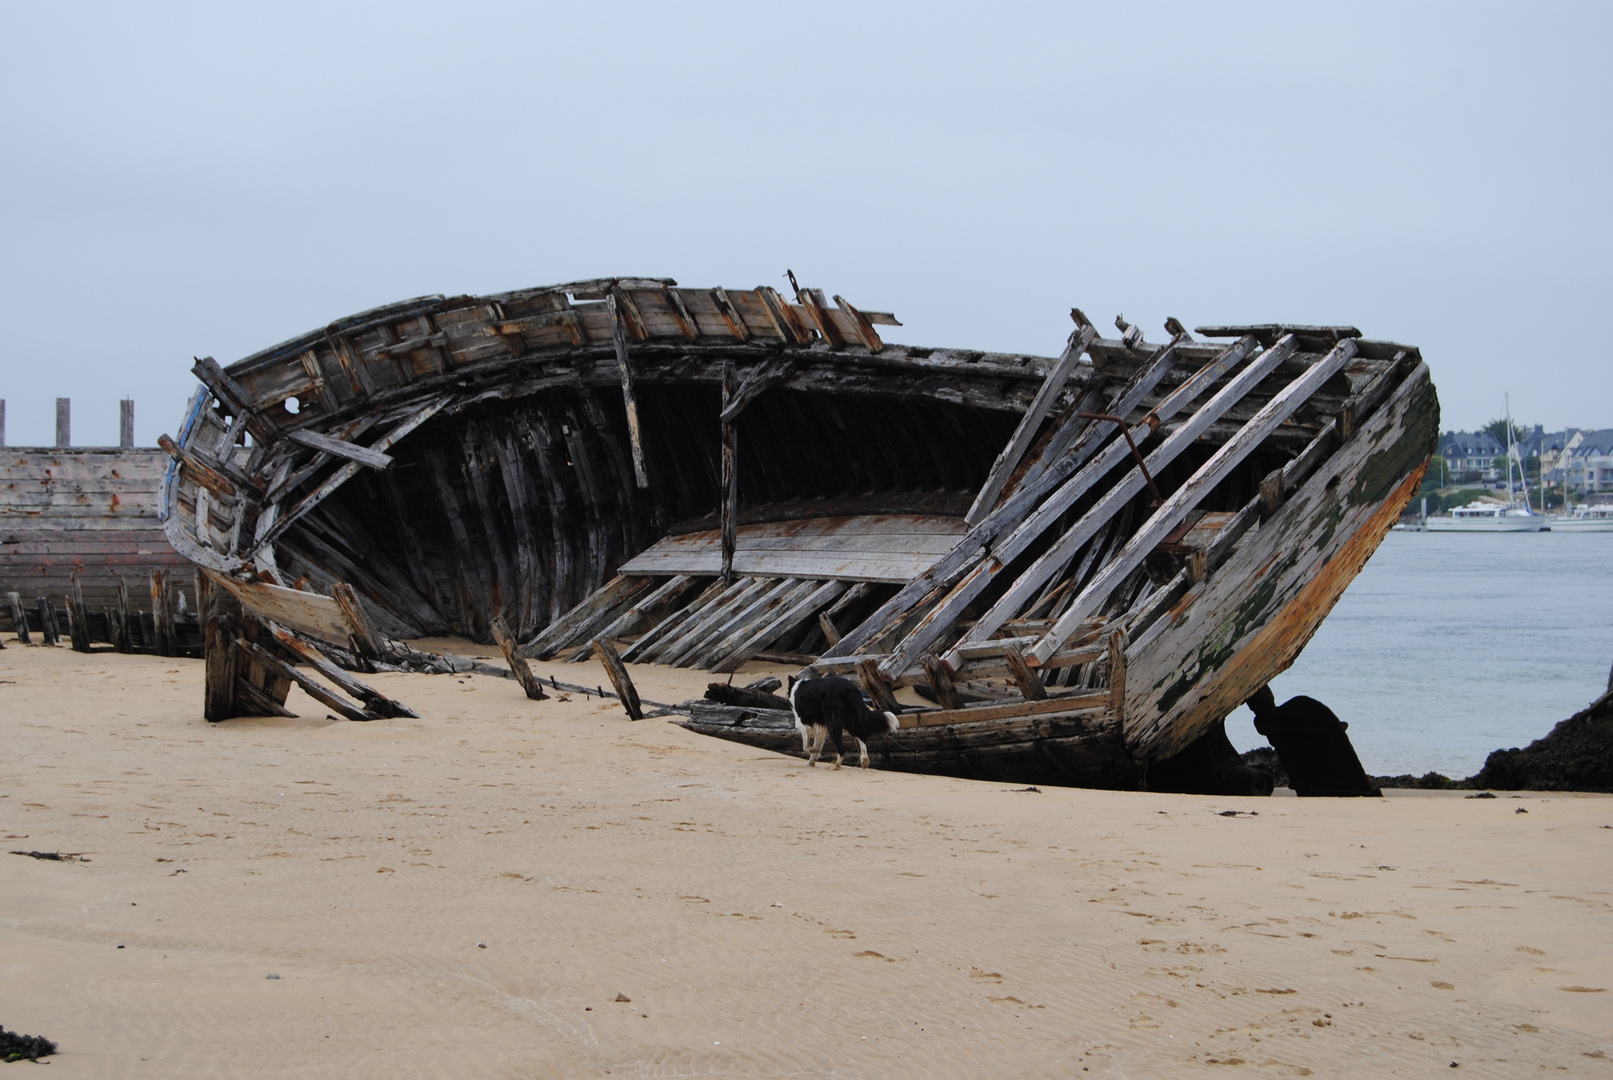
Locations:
(512, 656)
(221, 663)
(48, 633)
(618, 677)
(78, 614)
(366, 642)
(19, 619)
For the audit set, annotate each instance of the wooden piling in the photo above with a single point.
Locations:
(619, 678)
(512, 656)
(78, 615)
(19, 619)
(48, 632)
(221, 664)
(366, 642)
(123, 636)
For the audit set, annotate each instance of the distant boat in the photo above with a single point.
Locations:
(1585, 519)
(1489, 518)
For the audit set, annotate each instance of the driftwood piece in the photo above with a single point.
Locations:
(619, 678)
(512, 656)
(19, 619)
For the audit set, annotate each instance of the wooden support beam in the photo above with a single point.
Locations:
(341, 448)
(932, 584)
(940, 676)
(780, 623)
(282, 522)
(366, 642)
(618, 327)
(199, 470)
(252, 700)
(315, 690)
(1116, 646)
(662, 632)
(587, 616)
(629, 621)
(19, 619)
(1212, 472)
(530, 683)
(861, 325)
(1081, 702)
(1029, 683)
(730, 477)
(730, 315)
(1008, 459)
(877, 687)
(219, 661)
(1027, 585)
(619, 678)
(709, 624)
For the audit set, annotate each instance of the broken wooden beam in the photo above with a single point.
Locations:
(512, 656)
(619, 678)
(319, 693)
(618, 325)
(341, 448)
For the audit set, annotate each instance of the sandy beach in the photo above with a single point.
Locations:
(515, 888)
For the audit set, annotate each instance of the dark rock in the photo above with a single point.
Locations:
(1576, 756)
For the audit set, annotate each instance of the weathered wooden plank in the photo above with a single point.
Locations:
(941, 684)
(19, 621)
(729, 495)
(701, 629)
(588, 616)
(315, 690)
(930, 585)
(673, 622)
(366, 642)
(1013, 711)
(770, 630)
(638, 613)
(1166, 517)
(618, 323)
(79, 614)
(363, 455)
(347, 472)
(530, 683)
(376, 703)
(741, 617)
(1008, 460)
(1234, 631)
(251, 700)
(306, 612)
(1030, 581)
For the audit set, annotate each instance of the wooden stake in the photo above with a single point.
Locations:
(512, 656)
(124, 639)
(19, 619)
(48, 633)
(220, 661)
(78, 614)
(619, 678)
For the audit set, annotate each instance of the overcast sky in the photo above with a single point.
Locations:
(212, 179)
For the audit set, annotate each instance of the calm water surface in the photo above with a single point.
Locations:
(1449, 646)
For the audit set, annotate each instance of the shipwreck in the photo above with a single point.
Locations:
(1078, 563)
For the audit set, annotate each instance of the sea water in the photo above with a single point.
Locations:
(1451, 645)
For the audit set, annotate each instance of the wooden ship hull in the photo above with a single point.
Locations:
(1083, 561)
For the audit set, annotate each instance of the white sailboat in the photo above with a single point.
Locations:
(1510, 516)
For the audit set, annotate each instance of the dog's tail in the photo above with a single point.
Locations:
(891, 723)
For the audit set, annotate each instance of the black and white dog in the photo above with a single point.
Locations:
(826, 707)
